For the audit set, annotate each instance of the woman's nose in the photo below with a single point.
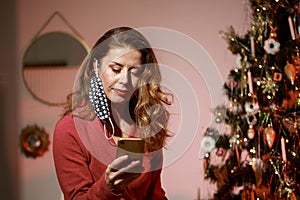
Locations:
(123, 76)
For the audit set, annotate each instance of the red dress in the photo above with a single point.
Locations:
(81, 155)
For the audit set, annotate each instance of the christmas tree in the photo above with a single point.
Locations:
(259, 148)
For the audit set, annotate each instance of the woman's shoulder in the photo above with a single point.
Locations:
(64, 122)
(65, 131)
(72, 124)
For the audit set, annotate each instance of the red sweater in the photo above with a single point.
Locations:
(81, 154)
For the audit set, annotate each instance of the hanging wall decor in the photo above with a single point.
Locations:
(34, 141)
(51, 61)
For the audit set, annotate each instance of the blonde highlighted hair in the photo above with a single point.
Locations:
(147, 104)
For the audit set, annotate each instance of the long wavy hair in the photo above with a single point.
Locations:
(147, 104)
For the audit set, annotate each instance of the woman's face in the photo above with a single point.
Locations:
(120, 71)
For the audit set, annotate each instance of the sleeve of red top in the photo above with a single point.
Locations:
(155, 191)
(71, 164)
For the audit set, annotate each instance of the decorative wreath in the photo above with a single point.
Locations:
(34, 141)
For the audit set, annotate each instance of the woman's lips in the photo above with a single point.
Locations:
(120, 92)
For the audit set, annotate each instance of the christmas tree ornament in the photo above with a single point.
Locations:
(270, 135)
(220, 152)
(283, 150)
(208, 144)
(268, 85)
(258, 167)
(291, 25)
(251, 106)
(250, 82)
(290, 72)
(277, 76)
(251, 120)
(251, 132)
(271, 46)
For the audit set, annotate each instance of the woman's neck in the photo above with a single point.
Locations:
(122, 119)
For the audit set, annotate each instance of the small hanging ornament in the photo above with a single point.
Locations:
(251, 120)
(208, 144)
(290, 71)
(271, 45)
(270, 135)
(251, 132)
(258, 168)
(251, 106)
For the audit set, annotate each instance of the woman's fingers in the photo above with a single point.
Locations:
(121, 172)
(118, 162)
(132, 167)
(124, 164)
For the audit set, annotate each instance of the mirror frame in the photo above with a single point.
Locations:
(28, 48)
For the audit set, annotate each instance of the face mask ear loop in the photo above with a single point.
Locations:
(109, 137)
(96, 70)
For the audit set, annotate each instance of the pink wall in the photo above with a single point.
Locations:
(196, 21)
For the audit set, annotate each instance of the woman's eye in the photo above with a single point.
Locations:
(116, 70)
(135, 71)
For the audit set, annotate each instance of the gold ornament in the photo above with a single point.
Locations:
(270, 135)
(268, 85)
(290, 71)
(258, 168)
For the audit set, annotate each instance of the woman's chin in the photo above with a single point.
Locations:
(117, 99)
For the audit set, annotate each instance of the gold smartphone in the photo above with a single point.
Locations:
(133, 147)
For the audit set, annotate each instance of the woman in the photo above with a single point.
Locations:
(117, 94)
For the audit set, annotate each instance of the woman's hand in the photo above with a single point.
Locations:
(121, 172)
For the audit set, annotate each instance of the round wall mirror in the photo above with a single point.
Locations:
(50, 64)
